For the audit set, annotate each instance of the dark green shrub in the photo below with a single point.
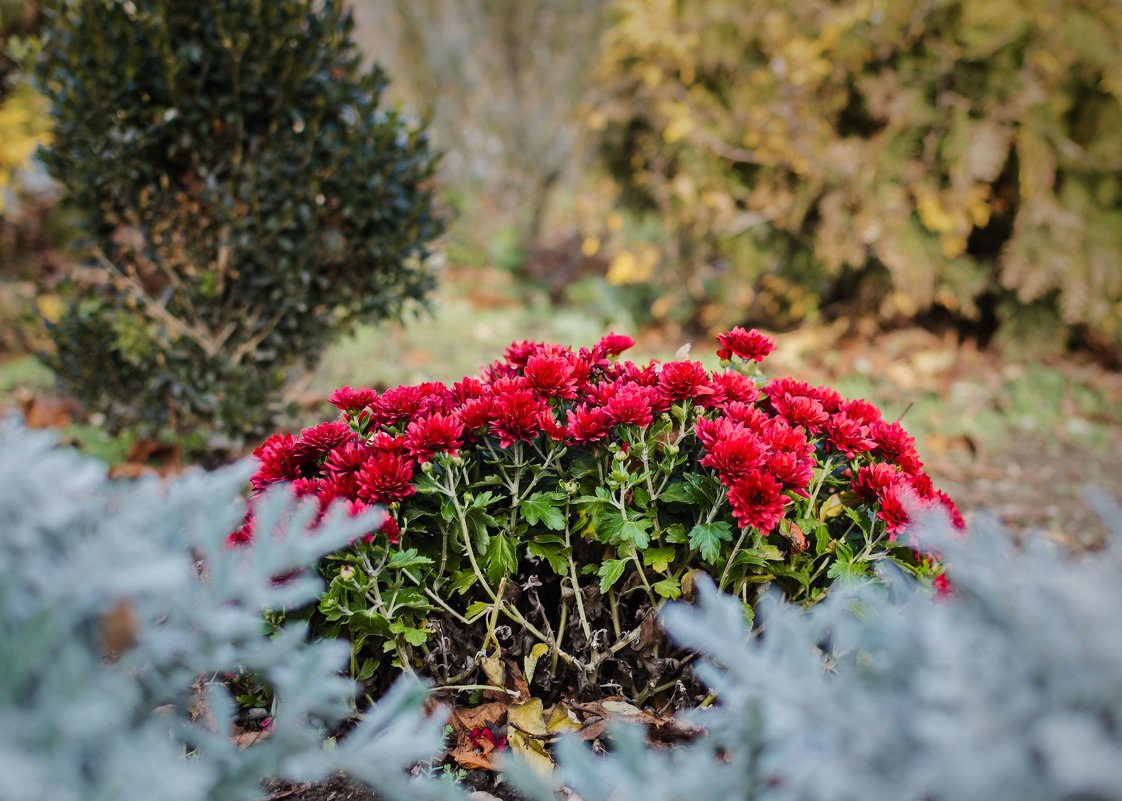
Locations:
(897, 157)
(246, 198)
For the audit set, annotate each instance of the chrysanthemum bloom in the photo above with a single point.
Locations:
(683, 379)
(848, 435)
(710, 432)
(279, 461)
(391, 530)
(385, 478)
(435, 399)
(465, 390)
(748, 416)
(896, 445)
(801, 411)
(893, 509)
(516, 416)
(956, 516)
(475, 413)
(317, 442)
(786, 385)
(551, 376)
(397, 404)
(736, 457)
(433, 434)
(587, 425)
(342, 486)
(732, 387)
(872, 480)
(352, 399)
(751, 345)
(517, 353)
(781, 437)
(347, 459)
(615, 344)
(860, 410)
(631, 405)
(793, 473)
(757, 500)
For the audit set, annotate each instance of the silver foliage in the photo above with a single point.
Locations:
(80, 722)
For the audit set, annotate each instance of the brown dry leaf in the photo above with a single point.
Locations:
(132, 470)
(119, 629)
(475, 754)
(43, 411)
(526, 728)
(476, 717)
(151, 450)
(245, 739)
(466, 756)
(516, 681)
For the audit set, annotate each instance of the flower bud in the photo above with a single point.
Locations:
(426, 467)
(619, 456)
(346, 572)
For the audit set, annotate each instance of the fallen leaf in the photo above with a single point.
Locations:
(525, 733)
(531, 661)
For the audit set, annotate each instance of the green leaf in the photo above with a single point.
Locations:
(635, 532)
(407, 558)
(848, 571)
(367, 669)
(501, 557)
(552, 553)
(678, 492)
(668, 588)
(707, 537)
(659, 558)
(609, 573)
(675, 534)
(821, 540)
(543, 506)
(412, 634)
(701, 489)
(461, 581)
(476, 608)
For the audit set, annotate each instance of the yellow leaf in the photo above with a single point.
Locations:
(525, 729)
(530, 663)
(495, 671)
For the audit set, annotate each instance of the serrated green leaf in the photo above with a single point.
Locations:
(847, 571)
(821, 539)
(659, 558)
(609, 573)
(501, 557)
(367, 669)
(552, 553)
(707, 537)
(668, 588)
(675, 534)
(543, 506)
(461, 581)
(678, 492)
(476, 608)
(635, 532)
(407, 558)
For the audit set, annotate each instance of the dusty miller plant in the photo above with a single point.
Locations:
(1011, 689)
(118, 603)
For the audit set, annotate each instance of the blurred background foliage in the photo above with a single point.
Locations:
(673, 168)
(810, 158)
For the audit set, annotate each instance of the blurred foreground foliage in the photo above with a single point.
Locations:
(246, 196)
(894, 158)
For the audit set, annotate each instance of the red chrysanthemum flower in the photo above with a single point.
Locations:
(516, 416)
(801, 411)
(873, 480)
(781, 437)
(384, 442)
(943, 587)
(861, 411)
(517, 353)
(710, 432)
(793, 473)
(749, 416)
(352, 399)
(892, 440)
(347, 459)
(893, 510)
(279, 461)
(317, 442)
(630, 406)
(391, 530)
(683, 379)
(614, 344)
(733, 387)
(385, 478)
(434, 434)
(588, 424)
(735, 457)
(788, 386)
(848, 435)
(757, 500)
(342, 486)
(956, 517)
(397, 404)
(475, 413)
(751, 345)
(922, 486)
(469, 388)
(435, 399)
(551, 375)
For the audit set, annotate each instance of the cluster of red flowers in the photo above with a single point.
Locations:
(763, 444)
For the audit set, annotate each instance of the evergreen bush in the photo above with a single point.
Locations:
(895, 158)
(247, 197)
